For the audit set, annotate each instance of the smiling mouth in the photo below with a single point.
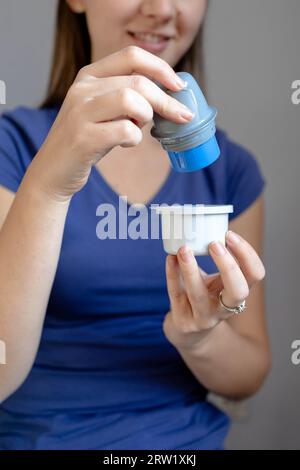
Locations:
(150, 38)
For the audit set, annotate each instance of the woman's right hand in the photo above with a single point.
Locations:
(106, 106)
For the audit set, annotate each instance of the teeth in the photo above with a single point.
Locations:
(154, 38)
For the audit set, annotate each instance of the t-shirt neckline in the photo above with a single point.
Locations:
(163, 192)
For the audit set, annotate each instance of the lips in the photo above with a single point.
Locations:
(152, 42)
(149, 37)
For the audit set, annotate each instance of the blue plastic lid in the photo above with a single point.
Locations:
(195, 158)
(198, 134)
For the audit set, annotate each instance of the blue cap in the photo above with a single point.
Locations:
(191, 146)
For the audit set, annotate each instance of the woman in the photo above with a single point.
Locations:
(110, 345)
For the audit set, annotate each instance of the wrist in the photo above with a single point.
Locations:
(182, 340)
(202, 344)
(35, 183)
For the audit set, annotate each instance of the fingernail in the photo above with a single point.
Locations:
(186, 114)
(218, 248)
(181, 83)
(232, 237)
(186, 254)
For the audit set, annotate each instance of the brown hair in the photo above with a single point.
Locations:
(72, 50)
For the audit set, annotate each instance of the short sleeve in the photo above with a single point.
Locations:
(12, 154)
(245, 180)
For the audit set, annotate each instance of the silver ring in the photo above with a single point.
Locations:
(237, 309)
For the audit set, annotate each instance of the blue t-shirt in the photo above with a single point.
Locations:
(105, 376)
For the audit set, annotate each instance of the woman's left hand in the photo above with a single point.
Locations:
(194, 295)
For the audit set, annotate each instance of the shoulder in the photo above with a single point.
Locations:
(233, 153)
(235, 159)
(22, 132)
(26, 114)
(28, 124)
(242, 173)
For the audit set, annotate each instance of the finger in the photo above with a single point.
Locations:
(120, 103)
(194, 283)
(108, 135)
(175, 287)
(249, 261)
(214, 283)
(180, 306)
(130, 60)
(203, 273)
(161, 102)
(236, 288)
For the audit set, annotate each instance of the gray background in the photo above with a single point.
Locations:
(253, 50)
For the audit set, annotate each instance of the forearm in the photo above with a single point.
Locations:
(227, 363)
(30, 243)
